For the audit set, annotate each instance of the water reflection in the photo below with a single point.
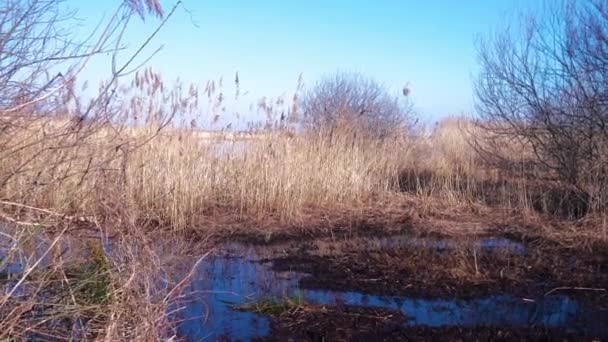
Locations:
(223, 281)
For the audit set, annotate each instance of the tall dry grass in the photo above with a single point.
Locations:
(141, 168)
(179, 178)
(139, 162)
(183, 179)
(63, 178)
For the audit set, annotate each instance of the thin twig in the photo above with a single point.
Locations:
(575, 289)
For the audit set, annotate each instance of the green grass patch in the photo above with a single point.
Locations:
(90, 281)
(273, 306)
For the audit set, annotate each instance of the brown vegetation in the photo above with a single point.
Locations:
(542, 84)
(126, 165)
(318, 323)
(456, 268)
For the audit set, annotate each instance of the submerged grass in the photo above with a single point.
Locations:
(273, 306)
(75, 285)
(90, 282)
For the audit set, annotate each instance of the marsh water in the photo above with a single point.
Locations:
(240, 274)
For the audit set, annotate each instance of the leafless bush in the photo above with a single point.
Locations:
(543, 85)
(350, 99)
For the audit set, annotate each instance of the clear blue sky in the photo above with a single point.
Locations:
(428, 44)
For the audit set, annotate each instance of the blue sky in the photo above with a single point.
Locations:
(428, 44)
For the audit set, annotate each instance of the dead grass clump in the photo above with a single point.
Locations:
(79, 284)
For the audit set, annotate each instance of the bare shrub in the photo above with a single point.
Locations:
(351, 99)
(542, 85)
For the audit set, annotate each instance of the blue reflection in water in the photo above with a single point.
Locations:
(222, 282)
(10, 269)
(503, 310)
(487, 244)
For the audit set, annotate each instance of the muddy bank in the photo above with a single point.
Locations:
(348, 323)
(458, 334)
(448, 269)
(415, 286)
(269, 232)
(335, 323)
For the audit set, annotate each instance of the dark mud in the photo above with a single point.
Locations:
(458, 334)
(346, 323)
(339, 231)
(441, 272)
(336, 323)
(345, 225)
(433, 284)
